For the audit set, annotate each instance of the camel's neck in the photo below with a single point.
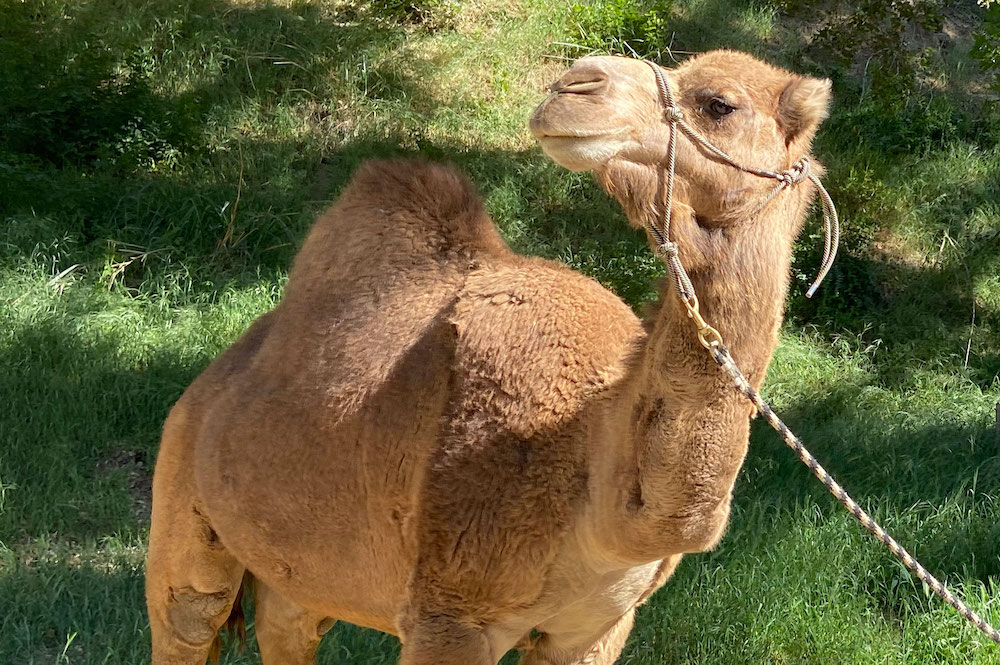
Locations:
(741, 283)
(680, 431)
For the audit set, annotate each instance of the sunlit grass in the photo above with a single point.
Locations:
(179, 152)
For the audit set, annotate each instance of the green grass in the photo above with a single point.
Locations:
(161, 161)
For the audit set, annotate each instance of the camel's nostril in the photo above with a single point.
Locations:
(584, 87)
(584, 82)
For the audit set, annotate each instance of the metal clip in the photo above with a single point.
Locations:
(707, 335)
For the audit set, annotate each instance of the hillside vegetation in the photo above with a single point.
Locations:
(161, 161)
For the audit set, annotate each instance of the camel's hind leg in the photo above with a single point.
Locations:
(191, 579)
(286, 633)
(191, 583)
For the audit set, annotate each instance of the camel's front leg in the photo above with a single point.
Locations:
(191, 580)
(580, 636)
(439, 639)
(600, 649)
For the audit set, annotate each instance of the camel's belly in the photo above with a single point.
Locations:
(323, 508)
(339, 548)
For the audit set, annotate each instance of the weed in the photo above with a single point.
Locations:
(428, 14)
(623, 27)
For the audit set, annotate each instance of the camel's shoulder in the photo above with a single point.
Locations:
(545, 336)
(538, 348)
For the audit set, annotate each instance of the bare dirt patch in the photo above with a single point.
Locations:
(135, 464)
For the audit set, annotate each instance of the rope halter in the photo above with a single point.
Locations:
(800, 171)
(710, 338)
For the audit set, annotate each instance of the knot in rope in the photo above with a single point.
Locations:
(799, 171)
(667, 250)
(673, 114)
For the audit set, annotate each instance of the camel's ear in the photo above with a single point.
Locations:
(803, 104)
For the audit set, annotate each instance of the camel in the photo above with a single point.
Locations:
(471, 449)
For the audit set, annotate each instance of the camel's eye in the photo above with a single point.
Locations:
(719, 108)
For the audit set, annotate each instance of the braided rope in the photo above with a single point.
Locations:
(722, 356)
(711, 339)
(831, 234)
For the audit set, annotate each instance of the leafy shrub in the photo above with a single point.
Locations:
(879, 31)
(986, 45)
(623, 26)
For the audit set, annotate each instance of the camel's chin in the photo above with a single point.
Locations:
(581, 153)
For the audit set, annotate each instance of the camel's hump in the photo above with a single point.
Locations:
(428, 191)
(395, 217)
(396, 210)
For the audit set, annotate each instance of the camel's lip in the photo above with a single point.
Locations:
(542, 132)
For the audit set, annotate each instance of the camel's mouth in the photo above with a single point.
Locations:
(558, 117)
(583, 153)
(542, 133)
(577, 147)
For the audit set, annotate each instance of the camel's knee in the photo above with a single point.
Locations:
(600, 648)
(194, 617)
(444, 641)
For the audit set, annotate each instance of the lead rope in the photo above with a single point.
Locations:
(712, 340)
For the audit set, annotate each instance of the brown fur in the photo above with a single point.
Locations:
(236, 625)
(438, 438)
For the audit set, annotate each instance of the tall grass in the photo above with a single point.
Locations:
(161, 161)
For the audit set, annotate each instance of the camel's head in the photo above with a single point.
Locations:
(605, 115)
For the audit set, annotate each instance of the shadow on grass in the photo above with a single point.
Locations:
(103, 161)
(75, 397)
(93, 612)
(83, 92)
(81, 422)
